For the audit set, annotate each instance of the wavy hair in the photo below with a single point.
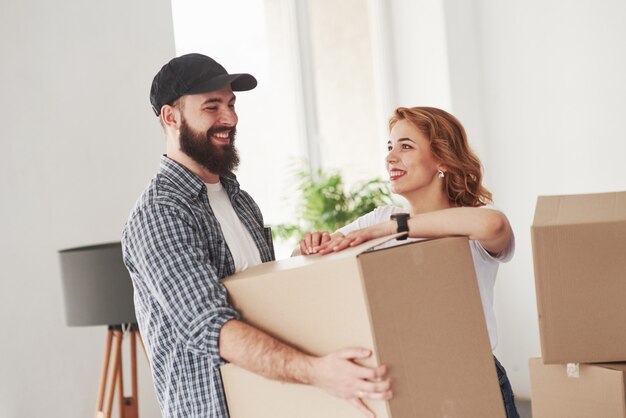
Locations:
(448, 143)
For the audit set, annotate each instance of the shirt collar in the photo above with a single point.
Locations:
(191, 184)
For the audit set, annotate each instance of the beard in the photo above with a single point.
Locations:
(218, 159)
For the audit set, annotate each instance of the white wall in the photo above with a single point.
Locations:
(551, 105)
(79, 143)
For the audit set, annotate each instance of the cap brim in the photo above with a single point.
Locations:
(243, 82)
(238, 82)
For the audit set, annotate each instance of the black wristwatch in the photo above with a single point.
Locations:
(402, 219)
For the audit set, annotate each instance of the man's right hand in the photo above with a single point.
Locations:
(338, 373)
(341, 376)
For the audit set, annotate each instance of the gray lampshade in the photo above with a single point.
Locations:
(96, 286)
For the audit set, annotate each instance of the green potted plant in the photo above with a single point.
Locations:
(324, 204)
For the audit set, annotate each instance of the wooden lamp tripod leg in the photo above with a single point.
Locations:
(128, 406)
(120, 382)
(133, 375)
(103, 374)
(116, 370)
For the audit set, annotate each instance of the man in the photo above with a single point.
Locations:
(192, 227)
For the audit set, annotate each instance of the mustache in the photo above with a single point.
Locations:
(232, 131)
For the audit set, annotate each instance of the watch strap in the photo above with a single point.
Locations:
(402, 219)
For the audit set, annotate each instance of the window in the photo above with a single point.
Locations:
(315, 99)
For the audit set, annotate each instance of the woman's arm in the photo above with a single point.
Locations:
(490, 227)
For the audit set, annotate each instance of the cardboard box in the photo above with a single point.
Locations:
(416, 305)
(591, 391)
(579, 252)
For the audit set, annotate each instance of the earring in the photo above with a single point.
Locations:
(440, 174)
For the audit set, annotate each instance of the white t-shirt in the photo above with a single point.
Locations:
(485, 264)
(240, 243)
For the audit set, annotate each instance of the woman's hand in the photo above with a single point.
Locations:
(354, 238)
(311, 241)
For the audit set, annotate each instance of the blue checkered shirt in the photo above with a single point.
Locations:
(176, 254)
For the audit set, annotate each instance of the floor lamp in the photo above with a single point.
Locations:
(98, 291)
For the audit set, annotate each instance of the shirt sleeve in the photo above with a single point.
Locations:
(378, 215)
(174, 267)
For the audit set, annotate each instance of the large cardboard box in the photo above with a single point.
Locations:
(583, 391)
(416, 305)
(579, 252)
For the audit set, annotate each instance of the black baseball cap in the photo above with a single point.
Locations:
(193, 74)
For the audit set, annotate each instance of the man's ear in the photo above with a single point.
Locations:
(170, 116)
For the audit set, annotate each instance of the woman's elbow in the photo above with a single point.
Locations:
(496, 226)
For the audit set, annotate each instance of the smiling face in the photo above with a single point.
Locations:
(410, 162)
(207, 130)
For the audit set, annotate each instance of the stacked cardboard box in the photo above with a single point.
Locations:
(578, 390)
(579, 252)
(416, 305)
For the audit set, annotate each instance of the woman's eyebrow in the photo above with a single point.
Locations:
(402, 140)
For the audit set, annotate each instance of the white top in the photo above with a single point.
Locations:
(240, 243)
(485, 264)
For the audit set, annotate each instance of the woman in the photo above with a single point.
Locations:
(431, 165)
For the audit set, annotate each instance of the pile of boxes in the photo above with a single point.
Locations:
(579, 253)
(417, 306)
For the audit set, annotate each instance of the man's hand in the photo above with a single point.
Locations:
(338, 374)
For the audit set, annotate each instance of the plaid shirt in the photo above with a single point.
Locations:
(176, 254)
